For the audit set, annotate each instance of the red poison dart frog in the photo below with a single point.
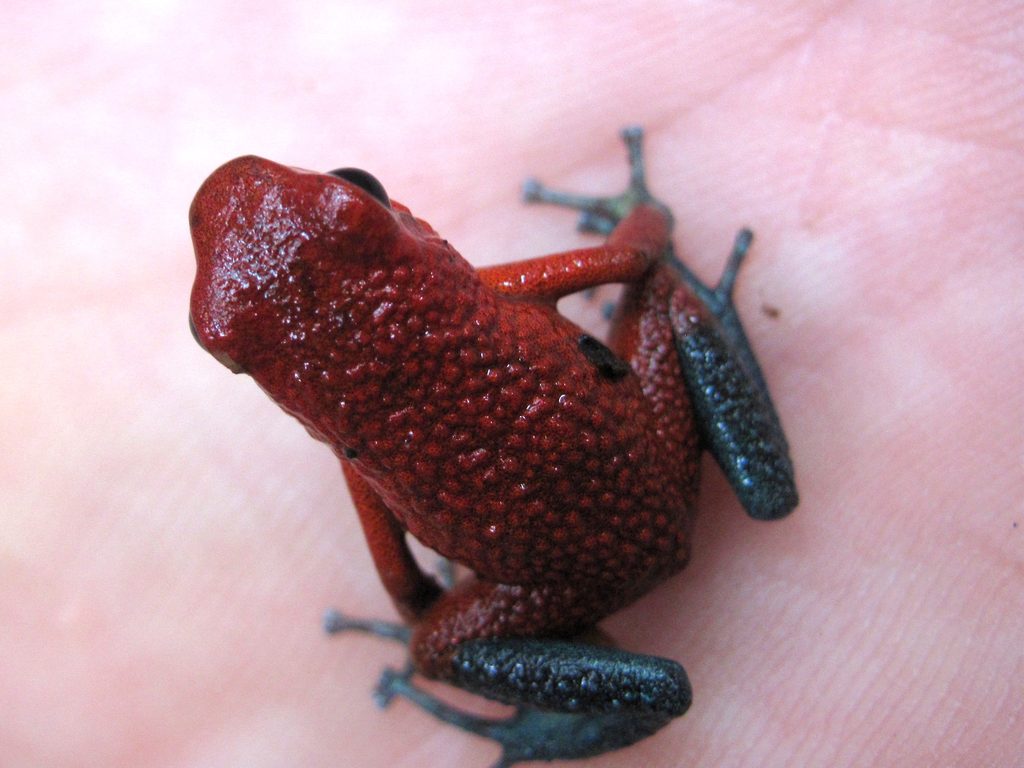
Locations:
(465, 410)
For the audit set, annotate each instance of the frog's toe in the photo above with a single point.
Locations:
(392, 682)
(597, 221)
(334, 621)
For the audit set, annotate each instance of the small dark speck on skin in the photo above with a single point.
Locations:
(1014, 523)
(603, 358)
(350, 453)
(772, 312)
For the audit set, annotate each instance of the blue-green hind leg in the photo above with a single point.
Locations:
(530, 733)
(734, 410)
(572, 700)
(719, 302)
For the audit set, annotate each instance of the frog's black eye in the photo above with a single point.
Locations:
(363, 180)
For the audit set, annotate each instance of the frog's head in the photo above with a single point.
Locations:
(315, 284)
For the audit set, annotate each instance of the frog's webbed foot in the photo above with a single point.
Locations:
(535, 734)
(572, 700)
(601, 214)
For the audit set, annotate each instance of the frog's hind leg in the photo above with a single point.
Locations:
(531, 733)
(508, 643)
(718, 300)
(734, 410)
(573, 700)
(735, 415)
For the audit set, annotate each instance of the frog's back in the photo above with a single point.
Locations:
(533, 464)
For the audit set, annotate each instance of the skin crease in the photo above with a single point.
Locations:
(170, 539)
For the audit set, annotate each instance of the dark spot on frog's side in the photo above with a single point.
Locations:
(610, 366)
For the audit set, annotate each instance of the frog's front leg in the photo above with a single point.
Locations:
(602, 214)
(632, 248)
(411, 590)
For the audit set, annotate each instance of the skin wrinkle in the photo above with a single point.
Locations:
(853, 76)
(973, 26)
(977, 89)
(758, 67)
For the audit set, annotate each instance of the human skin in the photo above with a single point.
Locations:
(169, 539)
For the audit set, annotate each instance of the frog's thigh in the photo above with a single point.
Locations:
(503, 643)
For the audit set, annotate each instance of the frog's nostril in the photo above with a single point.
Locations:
(220, 356)
(192, 328)
(226, 360)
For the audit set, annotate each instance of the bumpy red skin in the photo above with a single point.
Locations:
(458, 400)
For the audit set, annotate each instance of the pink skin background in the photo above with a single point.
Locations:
(169, 538)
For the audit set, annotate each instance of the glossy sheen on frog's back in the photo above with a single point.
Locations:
(516, 456)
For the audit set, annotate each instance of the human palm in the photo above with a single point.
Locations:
(170, 539)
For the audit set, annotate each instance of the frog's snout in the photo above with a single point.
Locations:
(221, 357)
